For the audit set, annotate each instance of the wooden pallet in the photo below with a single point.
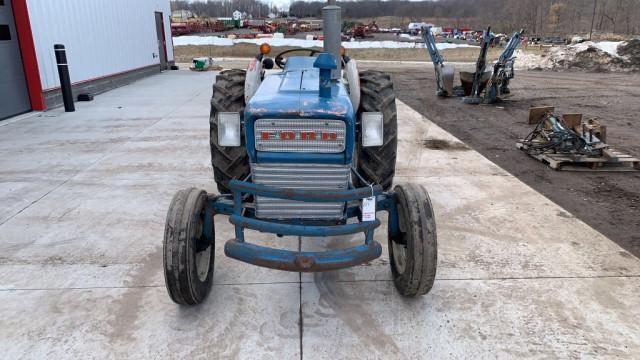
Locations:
(611, 160)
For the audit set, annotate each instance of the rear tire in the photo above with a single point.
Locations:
(377, 164)
(188, 256)
(228, 162)
(413, 255)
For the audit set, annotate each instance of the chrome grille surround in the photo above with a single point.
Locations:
(335, 131)
(300, 176)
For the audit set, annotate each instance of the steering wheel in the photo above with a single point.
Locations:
(280, 61)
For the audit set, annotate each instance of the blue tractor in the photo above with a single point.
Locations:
(307, 151)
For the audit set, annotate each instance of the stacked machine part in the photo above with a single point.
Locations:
(569, 142)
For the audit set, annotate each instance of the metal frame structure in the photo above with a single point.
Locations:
(242, 216)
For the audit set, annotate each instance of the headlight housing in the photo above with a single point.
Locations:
(372, 129)
(229, 129)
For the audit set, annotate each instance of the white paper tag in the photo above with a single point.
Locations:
(369, 208)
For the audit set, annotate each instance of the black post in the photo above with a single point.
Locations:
(65, 81)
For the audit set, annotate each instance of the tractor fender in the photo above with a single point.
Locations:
(253, 79)
(353, 82)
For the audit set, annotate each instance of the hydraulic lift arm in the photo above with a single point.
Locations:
(444, 73)
(503, 70)
(481, 63)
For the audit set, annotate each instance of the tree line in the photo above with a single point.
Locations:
(551, 17)
(224, 8)
(544, 17)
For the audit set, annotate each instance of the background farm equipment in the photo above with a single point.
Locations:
(444, 73)
(302, 152)
(481, 85)
(188, 27)
(360, 30)
(503, 72)
(487, 87)
(478, 83)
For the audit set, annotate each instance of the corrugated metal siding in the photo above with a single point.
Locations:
(102, 37)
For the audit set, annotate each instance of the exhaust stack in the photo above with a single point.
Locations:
(332, 29)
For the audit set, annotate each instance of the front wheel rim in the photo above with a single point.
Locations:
(400, 250)
(203, 260)
(399, 257)
(203, 257)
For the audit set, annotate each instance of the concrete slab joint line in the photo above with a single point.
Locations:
(84, 200)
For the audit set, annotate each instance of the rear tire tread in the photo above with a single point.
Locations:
(377, 164)
(228, 162)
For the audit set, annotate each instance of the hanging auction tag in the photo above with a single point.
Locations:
(369, 208)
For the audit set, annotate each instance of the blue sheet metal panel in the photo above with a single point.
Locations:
(291, 82)
(299, 63)
(302, 261)
(311, 81)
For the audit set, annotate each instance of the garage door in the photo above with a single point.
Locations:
(13, 87)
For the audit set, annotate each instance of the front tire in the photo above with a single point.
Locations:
(188, 255)
(413, 255)
(377, 164)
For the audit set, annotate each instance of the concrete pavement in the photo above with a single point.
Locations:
(84, 196)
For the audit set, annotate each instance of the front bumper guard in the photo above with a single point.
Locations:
(302, 261)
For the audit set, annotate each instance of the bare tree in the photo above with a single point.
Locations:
(560, 17)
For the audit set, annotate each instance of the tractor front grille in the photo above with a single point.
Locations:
(300, 176)
(300, 135)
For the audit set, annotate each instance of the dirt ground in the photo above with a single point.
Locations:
(607, 201)
(185, 53)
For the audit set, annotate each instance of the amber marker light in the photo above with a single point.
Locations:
(265, 49)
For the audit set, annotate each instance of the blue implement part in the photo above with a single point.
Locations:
(243, 217)
(430, 44)
(302, 261)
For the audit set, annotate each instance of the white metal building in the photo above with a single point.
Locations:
(108, 42)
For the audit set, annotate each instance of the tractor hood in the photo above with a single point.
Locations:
(294, 93)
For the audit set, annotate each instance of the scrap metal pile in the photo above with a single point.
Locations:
(565, 135)
(568, 142)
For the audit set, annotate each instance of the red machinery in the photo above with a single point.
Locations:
(188, 27)
(360, 30)
(178, 29)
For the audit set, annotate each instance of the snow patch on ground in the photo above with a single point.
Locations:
(610, 47)
(219, 41)
(592, 56)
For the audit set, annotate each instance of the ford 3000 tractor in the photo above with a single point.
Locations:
(308, 151)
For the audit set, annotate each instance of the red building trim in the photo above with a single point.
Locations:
(106, 76)
(28, 52)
